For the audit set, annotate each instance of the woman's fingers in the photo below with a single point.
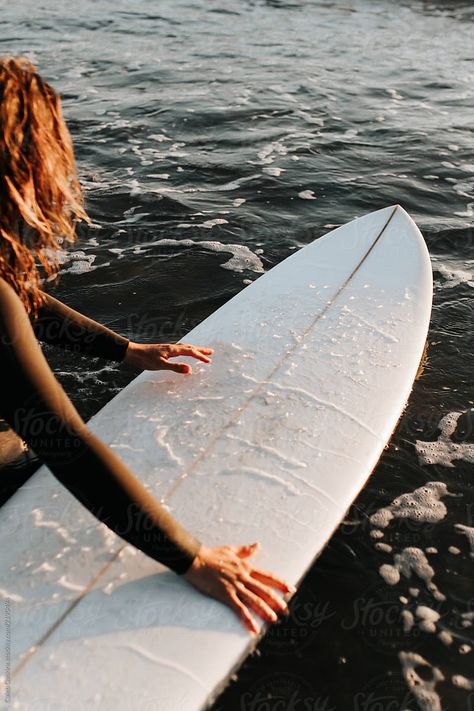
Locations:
(247, 551)
(183, 349)
(266, 593)
(242, 611)
(156, 356)
(262, 575)
(256, 602)
(177, 367)
(223, 573)
(194, 351)
(270, 579)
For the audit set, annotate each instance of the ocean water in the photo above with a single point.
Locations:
(212, 140)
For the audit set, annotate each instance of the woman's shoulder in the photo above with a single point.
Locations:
(9, 299)
(5, 287)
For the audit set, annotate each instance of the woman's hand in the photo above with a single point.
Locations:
(223, 573)
(155, 356)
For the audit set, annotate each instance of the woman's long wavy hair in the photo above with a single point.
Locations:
(40, 196)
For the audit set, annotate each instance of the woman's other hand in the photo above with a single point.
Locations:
(223, 573)
(156, 356)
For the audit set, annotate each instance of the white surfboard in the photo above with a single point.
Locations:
(313, 365)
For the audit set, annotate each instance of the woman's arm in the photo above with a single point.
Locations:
(60, 325)
(36, 407)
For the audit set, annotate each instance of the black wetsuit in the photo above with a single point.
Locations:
(36, 407)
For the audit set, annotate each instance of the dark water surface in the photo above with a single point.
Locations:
(217, 122)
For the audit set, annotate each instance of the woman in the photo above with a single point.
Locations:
(40, 202)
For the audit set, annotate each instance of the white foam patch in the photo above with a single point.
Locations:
(242, 257)
(408, 621)
(390, 574)
(424, 690)
(411, 560)
(423, 504)
(208, 224)
(445, 637)
(467, 618)
(454, 273)
(160, 137)
(273, 170)
(468, 212)
(394, 94)
(268, 153)
(375, 533)
(77, 262)
(119, 251)
(307, 195)
(384, 547)
(468, 531)
(462, 682)
(428, 618)
(444, 451)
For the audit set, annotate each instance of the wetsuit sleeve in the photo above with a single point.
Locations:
(60, 325)
(34, 404)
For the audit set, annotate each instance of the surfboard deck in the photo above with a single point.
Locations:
(313, 365)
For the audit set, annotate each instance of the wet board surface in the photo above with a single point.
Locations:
(313, 365)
